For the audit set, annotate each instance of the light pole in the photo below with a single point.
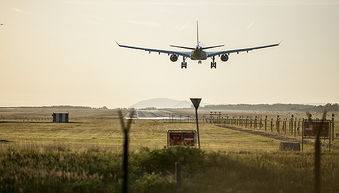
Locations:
(196, 102)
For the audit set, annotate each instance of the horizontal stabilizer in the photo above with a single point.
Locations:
(184, 47)
(212, 47)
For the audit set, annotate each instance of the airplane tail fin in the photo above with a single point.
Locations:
(198, 33)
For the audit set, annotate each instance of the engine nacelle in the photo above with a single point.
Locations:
(224, 57)
(174, 58)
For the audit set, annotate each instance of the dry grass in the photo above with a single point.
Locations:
(145, 133)
(99, 128)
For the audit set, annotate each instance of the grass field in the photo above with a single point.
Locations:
(84, 156)
(105, 132)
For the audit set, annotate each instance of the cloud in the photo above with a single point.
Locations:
(17, 10)
(182, 26)
(250, 25)
(20, 11)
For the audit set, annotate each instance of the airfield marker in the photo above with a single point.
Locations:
(196, 102)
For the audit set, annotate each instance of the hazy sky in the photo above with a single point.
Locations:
(55, 52)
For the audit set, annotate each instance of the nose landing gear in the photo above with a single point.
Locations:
(213, 63)
(184, 64)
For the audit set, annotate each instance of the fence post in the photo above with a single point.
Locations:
(332, 137)
(285, 125)
(302, 135)
(255, 122)
(278, 124)
(219, 117)
(125, 130)
(295, 126)
(290, 127)
(299, 125)
(317, 164)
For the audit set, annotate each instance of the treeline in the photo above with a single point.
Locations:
(274, 107)
(60, 107)
(66, 107)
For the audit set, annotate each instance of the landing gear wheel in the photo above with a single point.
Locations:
(183, 64)
(213, 65)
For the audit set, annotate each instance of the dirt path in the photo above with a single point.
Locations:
(277, 137)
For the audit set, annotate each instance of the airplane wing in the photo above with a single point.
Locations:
(211, 54)
(185, 54)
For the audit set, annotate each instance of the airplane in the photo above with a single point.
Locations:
(198, 52)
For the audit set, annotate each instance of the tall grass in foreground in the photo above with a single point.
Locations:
(59, 169)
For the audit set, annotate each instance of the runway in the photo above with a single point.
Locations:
(156, 115)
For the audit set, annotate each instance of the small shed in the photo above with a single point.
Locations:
(60, 117)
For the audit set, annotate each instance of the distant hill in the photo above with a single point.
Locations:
(162, 103)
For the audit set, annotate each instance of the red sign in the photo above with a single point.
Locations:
(181, 138)
(311, 128)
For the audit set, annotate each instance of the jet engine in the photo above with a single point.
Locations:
(174, 58)
(224, 57)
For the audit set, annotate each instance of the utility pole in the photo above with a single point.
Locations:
(196, 102)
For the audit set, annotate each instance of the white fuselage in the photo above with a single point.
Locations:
(198, 54)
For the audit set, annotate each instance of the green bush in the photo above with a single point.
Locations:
(163, 161)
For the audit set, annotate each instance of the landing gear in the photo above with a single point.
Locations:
(184, 64)
(199, 62)
(213, 63)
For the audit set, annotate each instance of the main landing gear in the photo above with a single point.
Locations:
(184, 64)
(213, 63)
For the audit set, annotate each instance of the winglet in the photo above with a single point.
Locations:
(117, 43)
